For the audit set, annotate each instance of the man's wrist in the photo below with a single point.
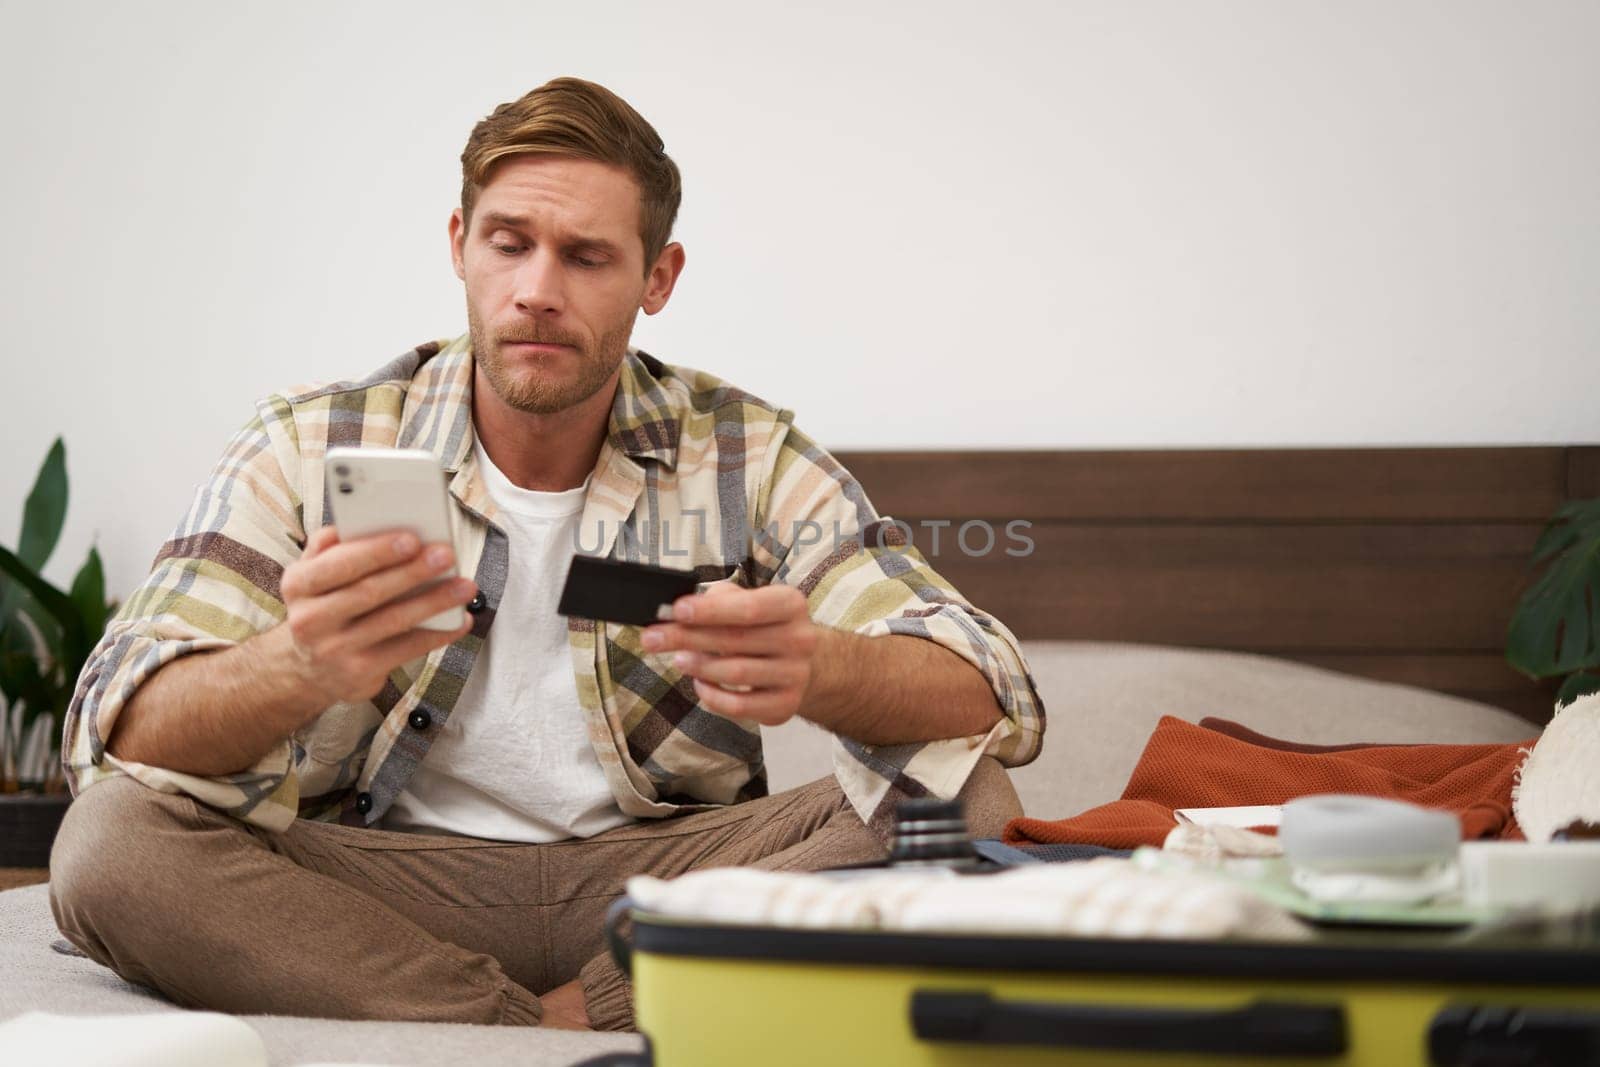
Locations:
(830, 653)
(275, 663)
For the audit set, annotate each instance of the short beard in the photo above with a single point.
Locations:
(535, 394)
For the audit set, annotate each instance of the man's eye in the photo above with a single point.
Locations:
(506, 250)
(588, 263)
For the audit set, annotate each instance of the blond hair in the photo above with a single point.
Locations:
(577, 118)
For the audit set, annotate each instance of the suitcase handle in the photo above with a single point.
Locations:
(621, 951)
(1259, 1028)
(1465, 1034)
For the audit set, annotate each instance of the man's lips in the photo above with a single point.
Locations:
(536, 346)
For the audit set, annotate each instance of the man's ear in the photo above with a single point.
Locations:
(662, 277)
(458, 237)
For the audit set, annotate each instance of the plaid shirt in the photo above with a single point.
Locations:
(693, 472)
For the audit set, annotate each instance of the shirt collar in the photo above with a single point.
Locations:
(437, 414)
(644, 423)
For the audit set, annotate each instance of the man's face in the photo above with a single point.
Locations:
(555, 275)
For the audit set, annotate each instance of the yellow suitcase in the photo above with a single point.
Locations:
(707, 995)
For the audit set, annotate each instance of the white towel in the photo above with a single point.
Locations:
(1098, 898)
(1212, 845)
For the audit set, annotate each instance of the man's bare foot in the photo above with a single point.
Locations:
(563, 1008)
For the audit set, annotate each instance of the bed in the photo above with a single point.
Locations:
(1324, 596)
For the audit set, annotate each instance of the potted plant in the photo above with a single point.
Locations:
(1555, 631)
(46, 634)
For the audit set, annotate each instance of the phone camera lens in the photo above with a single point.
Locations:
(346, 487)
(342, 471)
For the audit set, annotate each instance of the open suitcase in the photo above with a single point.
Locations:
(707, 995)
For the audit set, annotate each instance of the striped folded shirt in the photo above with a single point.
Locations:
(693, 473)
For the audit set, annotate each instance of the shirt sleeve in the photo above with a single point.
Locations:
(214, 584)
(817, 530)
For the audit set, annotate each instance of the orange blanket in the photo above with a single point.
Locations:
(1189, 766)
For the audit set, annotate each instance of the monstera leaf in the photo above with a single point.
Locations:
(1556, 628)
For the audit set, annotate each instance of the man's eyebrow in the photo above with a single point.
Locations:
(520, 222)
(594, 244)
(516, 222)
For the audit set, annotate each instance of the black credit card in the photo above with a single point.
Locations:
(615, 591)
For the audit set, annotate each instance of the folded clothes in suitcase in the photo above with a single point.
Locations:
(710, 993)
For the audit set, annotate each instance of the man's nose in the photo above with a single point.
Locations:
(540, 287)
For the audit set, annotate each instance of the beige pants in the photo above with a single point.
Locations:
(341, 922)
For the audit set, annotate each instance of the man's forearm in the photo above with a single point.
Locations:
(214, 713)
(895, 689)
(351, 619)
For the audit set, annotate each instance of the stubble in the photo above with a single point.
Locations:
(533, 390)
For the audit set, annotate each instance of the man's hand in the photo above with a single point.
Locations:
(755, 654)
(220, 712)
(346, 628)
(564, 1008)
(749, 651)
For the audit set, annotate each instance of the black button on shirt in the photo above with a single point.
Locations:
(420, 720)
(477, 603)
(363, 802)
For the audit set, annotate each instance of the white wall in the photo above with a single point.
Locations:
(955, 224)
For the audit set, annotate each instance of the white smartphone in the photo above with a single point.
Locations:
(379, 490)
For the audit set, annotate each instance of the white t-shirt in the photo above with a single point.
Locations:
(514, 763)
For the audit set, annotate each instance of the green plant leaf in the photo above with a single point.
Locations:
(44, 622)
(21, 679)
(1556, 537)
(46, 509)
(89, 594)
(1556, 627)
(10, 682)
(42, 517)
(34, 689)
(16, 659)
(1579, 685)
(54, 601)
(1576, 521)
(30, 627)
(32, 631)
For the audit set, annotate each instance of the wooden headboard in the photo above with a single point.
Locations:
(1401, 564)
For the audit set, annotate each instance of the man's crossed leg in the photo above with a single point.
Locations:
(343, 922)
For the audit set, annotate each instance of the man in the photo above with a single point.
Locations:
(265, 670)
